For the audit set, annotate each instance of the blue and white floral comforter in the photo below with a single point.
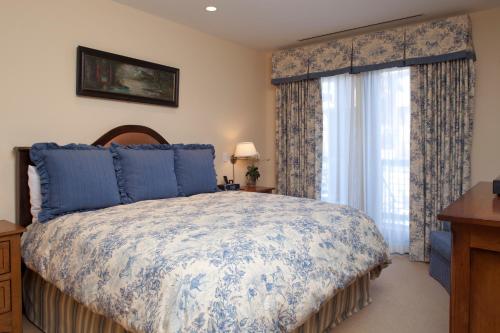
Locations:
(220, 262)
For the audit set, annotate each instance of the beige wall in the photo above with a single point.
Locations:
(224, 87)
(486, 139)
(225, 95)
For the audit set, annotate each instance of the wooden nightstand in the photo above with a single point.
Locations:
(10, 277)
(259, 189)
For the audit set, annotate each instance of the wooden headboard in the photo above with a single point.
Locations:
(126, 134)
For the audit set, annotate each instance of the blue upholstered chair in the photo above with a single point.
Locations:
(440, 258)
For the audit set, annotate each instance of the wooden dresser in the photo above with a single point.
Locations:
(10, 277)
(475, 261)
(258, 189)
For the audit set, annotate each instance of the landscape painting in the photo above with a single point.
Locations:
(108, 75)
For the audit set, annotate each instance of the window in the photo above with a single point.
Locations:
(366, 148)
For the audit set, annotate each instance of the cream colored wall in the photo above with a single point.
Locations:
(486, 139)
(269, 123)
(223, 86)
(225, 94)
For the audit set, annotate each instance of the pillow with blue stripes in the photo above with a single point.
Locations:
(144, 172)
(194, 169)
(74, 177)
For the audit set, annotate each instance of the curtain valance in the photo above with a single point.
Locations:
(423, 43)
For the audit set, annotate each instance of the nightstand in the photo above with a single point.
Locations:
(258, 189)
(10, 277)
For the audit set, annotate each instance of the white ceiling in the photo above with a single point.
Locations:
(272, 24)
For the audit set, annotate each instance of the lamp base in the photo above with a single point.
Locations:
(233, 162)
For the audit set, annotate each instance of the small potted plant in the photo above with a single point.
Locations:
(252, 175)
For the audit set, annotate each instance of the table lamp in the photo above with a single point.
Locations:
(244, 151)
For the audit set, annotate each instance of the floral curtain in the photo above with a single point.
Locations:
(377, 50)
(422, 43)
(441, 138)
(299, 136)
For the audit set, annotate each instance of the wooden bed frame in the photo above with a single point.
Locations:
(126, 134)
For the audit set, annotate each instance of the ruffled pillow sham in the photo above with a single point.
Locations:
(74, 177)
(144, 172)
(194, 168)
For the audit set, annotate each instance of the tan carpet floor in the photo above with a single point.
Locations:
(405, 299)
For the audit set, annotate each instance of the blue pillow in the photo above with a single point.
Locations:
(144, 172)
(74, 178)
(194, 168)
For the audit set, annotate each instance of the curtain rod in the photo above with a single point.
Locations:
(362, 27)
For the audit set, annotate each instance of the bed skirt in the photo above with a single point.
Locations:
(53, 311)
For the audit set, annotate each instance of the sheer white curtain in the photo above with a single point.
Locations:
(366, 148)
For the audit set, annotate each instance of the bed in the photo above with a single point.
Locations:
(214, 262)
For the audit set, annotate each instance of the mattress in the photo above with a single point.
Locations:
(211, 262)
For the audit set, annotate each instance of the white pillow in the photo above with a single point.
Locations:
(35, 192)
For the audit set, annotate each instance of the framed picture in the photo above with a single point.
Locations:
(107, 75)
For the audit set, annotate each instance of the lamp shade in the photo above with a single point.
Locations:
(245, 150)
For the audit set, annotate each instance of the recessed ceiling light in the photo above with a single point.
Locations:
(210, 8)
